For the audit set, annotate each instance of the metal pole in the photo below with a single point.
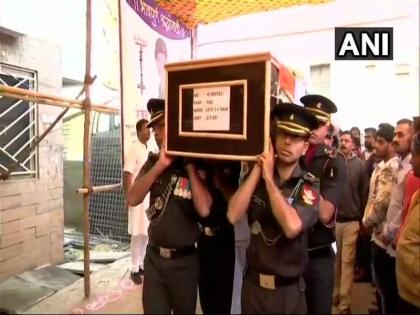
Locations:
(86, 148)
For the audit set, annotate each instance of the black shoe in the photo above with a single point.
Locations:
(141, 271)
(136, 277)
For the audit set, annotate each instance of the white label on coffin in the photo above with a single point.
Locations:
(211, 109)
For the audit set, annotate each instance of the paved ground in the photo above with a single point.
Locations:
(112, 292)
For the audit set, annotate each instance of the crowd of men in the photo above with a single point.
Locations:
(257, 237)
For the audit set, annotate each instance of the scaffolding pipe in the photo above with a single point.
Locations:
(95, 189)
(86, 149)
(37, 97)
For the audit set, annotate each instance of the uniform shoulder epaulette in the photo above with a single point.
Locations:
(309, 177)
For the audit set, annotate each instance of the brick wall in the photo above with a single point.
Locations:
(31, 210)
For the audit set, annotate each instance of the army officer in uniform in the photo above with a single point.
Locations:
(329, 166)
(178, 197)
(282, 204)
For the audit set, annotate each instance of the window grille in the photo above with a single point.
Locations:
(18, 124)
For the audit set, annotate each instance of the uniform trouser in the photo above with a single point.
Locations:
(138, 251)
(346, 236)
(170, 284)
(288, 299)
(240, 263)
(217, 263)
(319, 278)
(385, 279)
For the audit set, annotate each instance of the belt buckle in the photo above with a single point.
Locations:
(165, 253)
(267, 281)
(208, 231)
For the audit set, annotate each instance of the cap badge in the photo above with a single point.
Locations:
(292, 117)
(318, 105)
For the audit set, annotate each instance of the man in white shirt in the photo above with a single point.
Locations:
(137, 219)
(402, 144)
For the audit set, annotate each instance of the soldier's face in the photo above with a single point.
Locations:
(290, 148)
(159, 130)
(402, 139)
(318, 135)
(382, 147)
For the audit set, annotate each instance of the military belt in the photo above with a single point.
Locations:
(267, 281)
(173, 253)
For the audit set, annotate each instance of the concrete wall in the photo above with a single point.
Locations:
(31, 210)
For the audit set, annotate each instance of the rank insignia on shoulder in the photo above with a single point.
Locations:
(309, 195)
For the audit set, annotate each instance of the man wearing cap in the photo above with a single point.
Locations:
(282, 203)
(330, 167)
(177, 198)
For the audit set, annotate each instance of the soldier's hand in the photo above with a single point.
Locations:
(164, 159)
(267, 162)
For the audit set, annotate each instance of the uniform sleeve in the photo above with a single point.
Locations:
(147, 165)
(307, 206)
(381, 197)
(334, 179)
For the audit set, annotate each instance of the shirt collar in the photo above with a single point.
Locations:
(297, 173)
(391, 161)
(406, 161)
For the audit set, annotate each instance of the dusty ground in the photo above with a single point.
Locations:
(112, 292)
